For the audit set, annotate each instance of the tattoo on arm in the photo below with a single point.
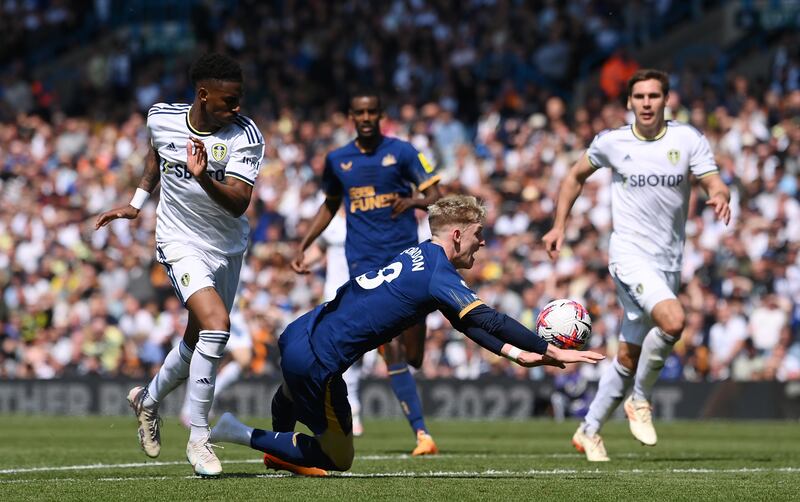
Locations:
(150, 176)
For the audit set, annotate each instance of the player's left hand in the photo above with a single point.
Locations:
(532, 359)
(401, 205)
(721, 207)
(574, 356)
(196, 157)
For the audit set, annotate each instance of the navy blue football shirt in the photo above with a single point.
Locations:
(369, 182)
(370, 309)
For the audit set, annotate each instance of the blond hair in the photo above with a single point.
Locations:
(461, 210)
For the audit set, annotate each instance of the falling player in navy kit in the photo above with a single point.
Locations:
(369, 310)
(373, 174)
(206, 157)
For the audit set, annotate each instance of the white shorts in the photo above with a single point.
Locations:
(240, 334)
(191, 269)
(640, 287)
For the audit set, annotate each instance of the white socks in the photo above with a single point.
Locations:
(202, 377)
(227, 377)
(655, 350)
(230, 430)
(613, 387)
(171, 374)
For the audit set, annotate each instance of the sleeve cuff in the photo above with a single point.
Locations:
(429, 183)
(240, 177)
(466, 310)
(709, 173)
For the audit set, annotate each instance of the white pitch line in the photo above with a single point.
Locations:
(401, 456)
(90, 467)
(487, 474)
(447, 456)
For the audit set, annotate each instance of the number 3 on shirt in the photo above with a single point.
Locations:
(386, 274)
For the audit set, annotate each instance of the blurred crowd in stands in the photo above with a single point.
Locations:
(464, 89)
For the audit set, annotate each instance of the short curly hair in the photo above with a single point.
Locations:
(215, 66)
(457, 209)
(365, 91)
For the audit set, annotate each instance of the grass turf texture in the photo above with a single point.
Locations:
(45, 458)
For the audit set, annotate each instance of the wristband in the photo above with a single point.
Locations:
(139, 198)
(514, 353)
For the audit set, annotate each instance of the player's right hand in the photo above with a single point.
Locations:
(299, 263)
(552, 241)
(128, 212)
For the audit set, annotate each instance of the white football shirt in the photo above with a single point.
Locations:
(185, 212)
(650, 189)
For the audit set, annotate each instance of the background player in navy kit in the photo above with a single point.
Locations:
(201, 236)
(370, 310)
(374, 174)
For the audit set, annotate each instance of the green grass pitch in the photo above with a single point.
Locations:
(90, 458)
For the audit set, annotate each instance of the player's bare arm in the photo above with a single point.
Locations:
(553, 357)
(719, 196)
(327, 210)
(232, 194)
(429, 196)
(484, 325)
(150, 178)
(568, 192)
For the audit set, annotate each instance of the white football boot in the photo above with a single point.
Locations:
(202, 457)
(640, 418)
(149, 422)
(592, 445)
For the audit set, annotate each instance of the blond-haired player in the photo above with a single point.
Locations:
(369, 310)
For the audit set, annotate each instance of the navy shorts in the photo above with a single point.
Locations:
(320, 398)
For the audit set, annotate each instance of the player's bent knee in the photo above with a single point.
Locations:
(338, 448)
(670, 318)
(628, 355)
(393, 352)
(343, 460)
(212, 343)
(674, 325)
(415, 362)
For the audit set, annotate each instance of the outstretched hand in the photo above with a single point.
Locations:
(532, 359)
(559, 358)
(577, 356)
(128, 212)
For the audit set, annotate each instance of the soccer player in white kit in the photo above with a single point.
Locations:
(651, 163)
(240, 349)
(208, 158)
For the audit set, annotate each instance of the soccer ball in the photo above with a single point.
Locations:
(564, 323)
